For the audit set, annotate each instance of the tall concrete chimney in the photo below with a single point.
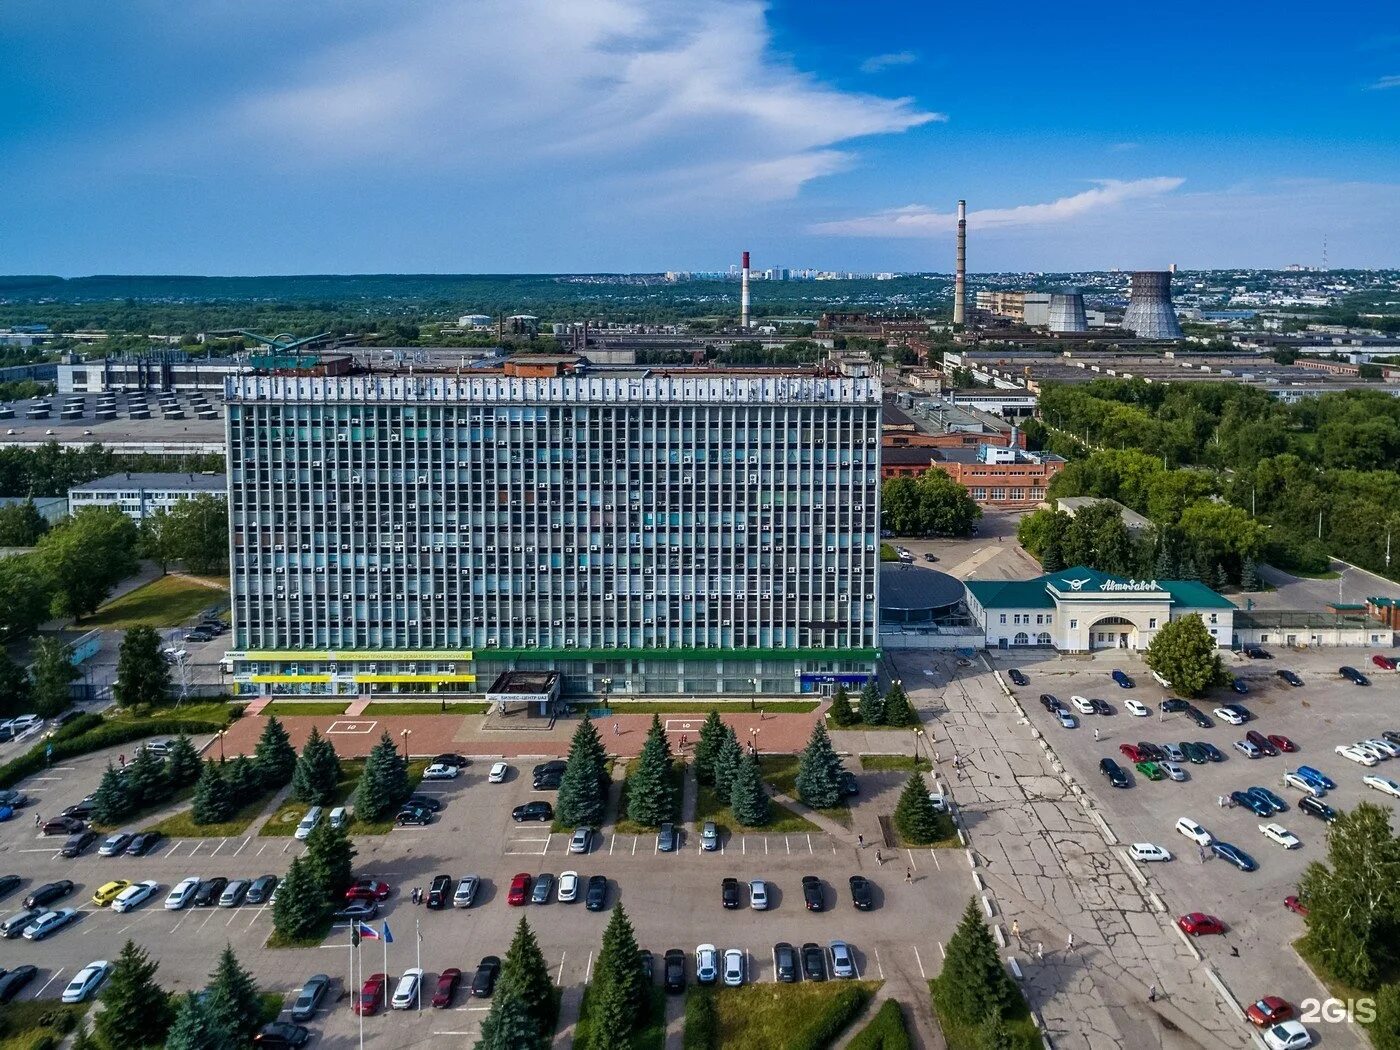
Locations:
(960, 277)
(744, 294)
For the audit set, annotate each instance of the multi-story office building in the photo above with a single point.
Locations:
(671, 532)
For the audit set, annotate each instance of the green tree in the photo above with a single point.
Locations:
(918, 822)
(1354, 898)
(583, 788)
(200, 1026)
(26, 595)
(747, 799)
(146, 783)
(14, 686)
(21, 524)
(726, 768)
(331, 856)
(86, 556)
(898, 710)
(618, 1001)
(707, 747)
(51, 673)
(274, 757)
(302, 907)
(1385, 1030)
(241, 775)
(651, 795)
(199, 533)
(157, 539)
(509, 1025)
(213, 801)
(135, 1010)
(231, 981)
(525, 973)
(182, 764)
(143, 672)
(819, 771)
(1249, 575)
(1186, 655)
(840, 710)
(974, 985)
(316, 778)
(384, 784)
(111, 804)
(931, 504)
(872, 704)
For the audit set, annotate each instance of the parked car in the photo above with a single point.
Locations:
(706, 964)
(543, 888)
(498, 773)
(308, 823)
(366, 888)
(446, 989)
(1017, 678)
(1269, 1010)
(1294, 904)
(734, 968)
(666, 837)
(78, 844)
(451, 759)
(1277, 833)
(813, 895)
(15, 924)
(1113, 773)
(1067, 720)
(597, 895)
(1351, 674)
(581, 841)
(1130, 752)
(673, 970)
(234, 893)
(484, 980)
(283, 1035)
(115, 845)
(143, 843)
(537, 810)
(1382, 784)
(1173, 704)
(1136, 708)
(1287, 1035)
(261, 889)
(414, 816)
(813, 962)
(1385, 663)
(519, 891)
(440, 892)
(843, 963)
(44, 895)
(1173, 770)
(1151, 770)
(1195, 754)
(1082, 704)
(1258, 806)
(1148, 852)
(1238, 685)
(1315, 807)
(9, 883)
(1319, 778)
(1050, 702)
(1198, 716)
(309, 999)
(729, 892)
(1213, 753)
(547, 775)
(1199, 924)
(1263, 743)
(12, 982)
(135, 896)
(1248, 749)
(1293, 780)
(50, 922)
(422, 801)
(1174, 752)
(709, 837)
(409, 987)
(785, 963)
(86, 981)
(1283, 743)
(1355, 754)
(1194, 831)
(357, 911)
(465, 896)
(1101, 707)
(441, 771)
(1236, 856)
(371, 998)
(1227, 715)
(63, 826)
(1275, 803)
(1255, 652)
(181, 894)
(1289, 677)
(862, 893)
(1124, 682)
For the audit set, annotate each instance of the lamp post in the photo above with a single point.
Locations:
(405, 734)
(918, 736)
(753, 682)
(606, 683)
(222, 733)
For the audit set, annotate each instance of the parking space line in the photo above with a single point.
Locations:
(809, 844)
(611, 843)
(288, 845)
(919, 959)
(205, 923)
(744, 846)
(942, 954)
(934, 854)
(634, 845)
(241, 846)
(49, 981)
(765, 845)
(256, 915)
(263, 847)
(878, 964)
(560, 979)
(196, 847)
(40, 849)
(588, 968)
(221, 845)
(912, 863)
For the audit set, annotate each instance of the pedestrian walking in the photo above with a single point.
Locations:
(1096, 732)
(879, 859)
(1016, 928)
(38, 820)
(1039, 950)
(1069, 944)
(121, 760)
(909, 876)
(616, 730)
(1202, 851)
(860, 841)
(1152, 994)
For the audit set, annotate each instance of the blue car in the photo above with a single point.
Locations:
(1236, 856)
(6, 812)
(1275, 803)
(1123, 680)
(1237, 684)
(1256, 805)
(1316, 776)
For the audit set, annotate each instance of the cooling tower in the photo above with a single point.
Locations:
(1150, 314)
(1067, 311)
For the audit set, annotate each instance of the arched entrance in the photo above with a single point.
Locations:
(1113, 632)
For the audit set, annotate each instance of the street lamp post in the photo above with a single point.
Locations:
(405, 734)
(753, 682)
(222, 733)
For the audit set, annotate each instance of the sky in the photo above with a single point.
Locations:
(537, 136)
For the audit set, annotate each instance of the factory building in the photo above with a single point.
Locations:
(641, 533)
(138, 496)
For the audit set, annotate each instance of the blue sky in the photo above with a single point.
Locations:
(341, 136)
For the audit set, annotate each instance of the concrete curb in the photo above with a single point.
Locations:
(1225, 995)
(1186, 940)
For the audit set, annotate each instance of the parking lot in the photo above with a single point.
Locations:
(1325, 712)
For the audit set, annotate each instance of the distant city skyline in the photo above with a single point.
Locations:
(638, 136)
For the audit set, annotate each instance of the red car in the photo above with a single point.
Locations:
(367, 890)
(371, 996)
(1131, 753)
(1269, 1010)
(1198, 924)
(1383, 662)
(1293, 904)
(1282, 743)
(1262, 742)
(519, 890)
(447, 987)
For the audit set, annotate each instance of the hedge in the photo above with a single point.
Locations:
(846, 1007)
(886, 1031)
(701, 1021)
(108, 734)
(80, 725)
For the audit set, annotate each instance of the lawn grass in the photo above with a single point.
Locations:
(865, 727)
(167, 602)
(888, 553)
(426, 707)
(782, 821)
(182, 826)
(886, 1030)
(650, 1036)
(22, 1029)
(287, 816)
(204, 711)
(700, 708)
(781, 772)
(282, 708)
(623, 826)
(1019, 1026)
(805, 1016)
(276, 940)
(894, 763)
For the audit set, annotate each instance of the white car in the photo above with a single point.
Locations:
(1278, 833)
(843, 963)
(1293, 780)
(1173, 770)
(1226, 715)
(1355, 754)
(1385, 784)
(1083, 706)
(1383, 745)
(465, 896)
(1148, 851)
(1137, 708)
(1287, 1035)
(440, 771)
(48, 923)
(23, 723)
(182, 894)
(135, 895)
(498, 773)
(733, 967)
(1193, 831)
(1368, 748)
(938, 801)
(706, 964)
(406, 994)
(86, 981)
(568, 887)
(758, 895)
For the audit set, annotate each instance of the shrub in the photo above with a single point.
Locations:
(85, 722)
(844, 1008)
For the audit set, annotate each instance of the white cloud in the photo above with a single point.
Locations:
(651, 93)
(1385, 82)
(880, 63)
(917, 220)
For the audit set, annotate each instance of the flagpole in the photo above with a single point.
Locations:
(359, 946)
(418, 937)
(384, 938)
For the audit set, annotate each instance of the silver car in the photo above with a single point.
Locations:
(583, 838)
(466, 892)
(709, 837)
(843, 963)
(758, 895)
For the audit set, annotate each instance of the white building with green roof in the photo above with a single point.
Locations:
(1079, 610)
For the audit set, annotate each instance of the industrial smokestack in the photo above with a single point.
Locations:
(960, 277)
(744, 294)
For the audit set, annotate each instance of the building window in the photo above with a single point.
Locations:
(1043, 638)
(1021, 639)
(1003, 617)
(1151, 623)
(1073, 624)
(1213, 618)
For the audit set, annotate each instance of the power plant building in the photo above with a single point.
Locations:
(1150, 314)
(644, 533)
(1067, 311)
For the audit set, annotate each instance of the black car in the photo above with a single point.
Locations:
(1255, 652)
(1150, 751)
(543, 890)
(261, 890)
(76, 844)
(1351, 674)
(1391, 735)
(79, 811)
(862, 893)
(14, 980)
(1017, 678)
(484, 980)
(1051, 702)
(785, 962)
(1198, 716)
(1239, 711)
(1239, 686)
(1101, 706)
(1174, 703)
(1195, 753)
(1262, 742)
(44, 895)
(414, 815)
(455, 760)
(1114, 772)
(144, 843)
(1212, 753)
(813, 962)
(849, 784)
(673, 970)
(1315, 807)
(729, 893)
(532, 811)
(421, 801)
(597, 893)
(209, 892)
(440, 892)
(1289, 677)
(282, 1034)
(547, 775)
(648, 964)
(357, 911)
(309, 999)
(812, 894)
(666, 839)
(8, 884)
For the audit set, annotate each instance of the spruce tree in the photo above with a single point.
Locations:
(707, 747)
(651, 795)
(1164, 568)
(145, 779)
(726, 764)
(525, 973)
(914, 816)
(213, 802)
(618, 992)
(111, 804)
(143, 672)
(274, 756)
(331, 857)
(199, 1026)
(241, 776)
(583, 788)
(182, 765)
(872, 704)
(1218, 580)
(509, 1025)
(302, 906)
(135, 1010)
(1249, 575)
(819, 772)
(841, 712)
(747, 799)
(230, 979)
(384, 783)
(898, 711)
(317, 775)
(974, 986)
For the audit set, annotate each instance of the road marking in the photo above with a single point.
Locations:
(934, 855)
(211, 914)
(221, 845)
(560, 979)
(263, 847)
(256, 915)
(588, 968)
(765, 845)
(941, 952)
(288, 845)
(809, 845)
(743, 846)
(40, 849)
(45, 778)
(634, 845)
(919, 959)
(196, 847)
(912, 863)
(878, 965)
(49, 981)
(242, 846)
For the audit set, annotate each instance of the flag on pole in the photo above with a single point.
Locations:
(367, 931)
(388, 937)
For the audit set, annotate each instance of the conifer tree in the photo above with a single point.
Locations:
(651, 795)
(525, 973)
(914, 816)
(274, 756)
(819, 772)
(302, 906)
(213, 801)
(747, 799)
(707, 747)
(841, 712)
(316, 777)
(384, 783)
(111, 804)
(135, 1010)
(726, 765)
(145, 779)
(331, 858)
(974, 985)
(241, 775)
(618, 992)
(509, 1025)
(583, 788)
(199, 1026)
(236, 984)
(872, 704)
(898, 711)
(182, 764)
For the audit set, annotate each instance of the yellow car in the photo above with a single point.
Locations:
(107, 893)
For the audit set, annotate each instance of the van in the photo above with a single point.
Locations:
(309, 822)
(337, 818)
(15, 924)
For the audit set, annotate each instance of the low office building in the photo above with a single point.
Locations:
(1080, 610)
(993, 477)
(141, 495)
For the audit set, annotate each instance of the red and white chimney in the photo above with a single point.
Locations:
(744, 294)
